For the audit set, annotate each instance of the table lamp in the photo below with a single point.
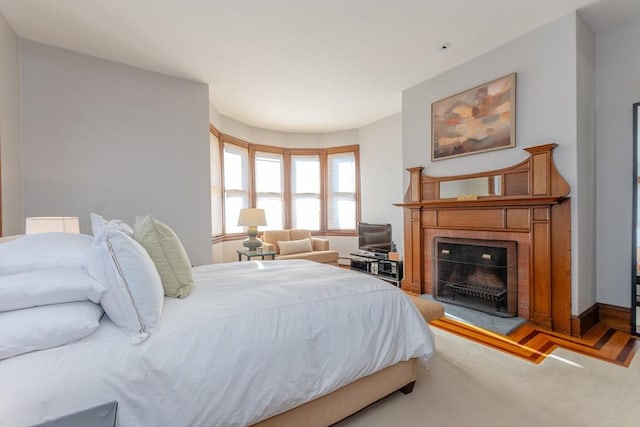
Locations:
(252, 218)
(45, 224)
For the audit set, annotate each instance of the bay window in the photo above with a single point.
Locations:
(314, 189)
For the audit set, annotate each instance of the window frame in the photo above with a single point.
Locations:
(321, 193)
(216, 134)
(287, 181)
(253, 197)
(250, 182)
(356, 155)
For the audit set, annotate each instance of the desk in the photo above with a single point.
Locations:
(255, 254)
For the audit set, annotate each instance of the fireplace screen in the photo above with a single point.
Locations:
(478, 274)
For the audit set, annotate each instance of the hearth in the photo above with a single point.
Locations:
(478, 274)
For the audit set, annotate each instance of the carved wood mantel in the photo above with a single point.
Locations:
(529, 206)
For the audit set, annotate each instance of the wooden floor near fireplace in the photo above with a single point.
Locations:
(534, 344)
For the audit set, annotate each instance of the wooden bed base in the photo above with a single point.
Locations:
(348, 400)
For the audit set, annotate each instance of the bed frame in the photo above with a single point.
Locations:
(348, 400)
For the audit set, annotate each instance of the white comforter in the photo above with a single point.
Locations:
(254, 339)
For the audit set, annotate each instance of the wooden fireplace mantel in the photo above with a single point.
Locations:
(527, 203)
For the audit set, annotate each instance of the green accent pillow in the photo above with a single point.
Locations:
(167, 253)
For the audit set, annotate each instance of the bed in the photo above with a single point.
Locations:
(256, 343)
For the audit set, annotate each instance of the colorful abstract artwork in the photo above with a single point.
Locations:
(476, 120)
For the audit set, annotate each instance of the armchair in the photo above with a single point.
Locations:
(299, 244)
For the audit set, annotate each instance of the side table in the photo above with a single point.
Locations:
(255, 254)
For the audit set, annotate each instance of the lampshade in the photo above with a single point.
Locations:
(252, 217)
(45, 224)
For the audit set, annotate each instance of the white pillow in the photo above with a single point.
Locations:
(44, 251)
(289, 247)
(48, 326)
(44, 287)
(134, 296)
(98, 222)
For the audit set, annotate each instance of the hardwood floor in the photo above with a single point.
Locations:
(535, 344)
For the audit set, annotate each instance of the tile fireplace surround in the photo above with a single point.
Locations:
(527, 204)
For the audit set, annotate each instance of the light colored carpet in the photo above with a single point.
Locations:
(473, 385)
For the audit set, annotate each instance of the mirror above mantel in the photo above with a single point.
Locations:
(478, 186)
(535, 177)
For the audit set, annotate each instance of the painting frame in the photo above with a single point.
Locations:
(476, 120)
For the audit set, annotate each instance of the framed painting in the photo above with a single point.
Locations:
(474, 121)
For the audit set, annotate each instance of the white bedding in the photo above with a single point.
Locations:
(253, 339)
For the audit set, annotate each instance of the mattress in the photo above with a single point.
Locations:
(254, 339)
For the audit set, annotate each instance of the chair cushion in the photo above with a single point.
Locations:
(273, 236)
(324, 257)
(320, 244)
(298, 234)
(288, 247)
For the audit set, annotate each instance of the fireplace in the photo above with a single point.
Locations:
(478, 274)
(529, 207)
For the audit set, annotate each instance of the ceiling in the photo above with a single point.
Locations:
(296, 65)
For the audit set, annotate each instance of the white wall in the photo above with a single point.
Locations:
(544, 61)
(214, 116)
(10, 152)
(546, 111)
(381, 174)
(617, 89)
(98, 136)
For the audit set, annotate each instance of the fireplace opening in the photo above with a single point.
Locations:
(478, 274)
